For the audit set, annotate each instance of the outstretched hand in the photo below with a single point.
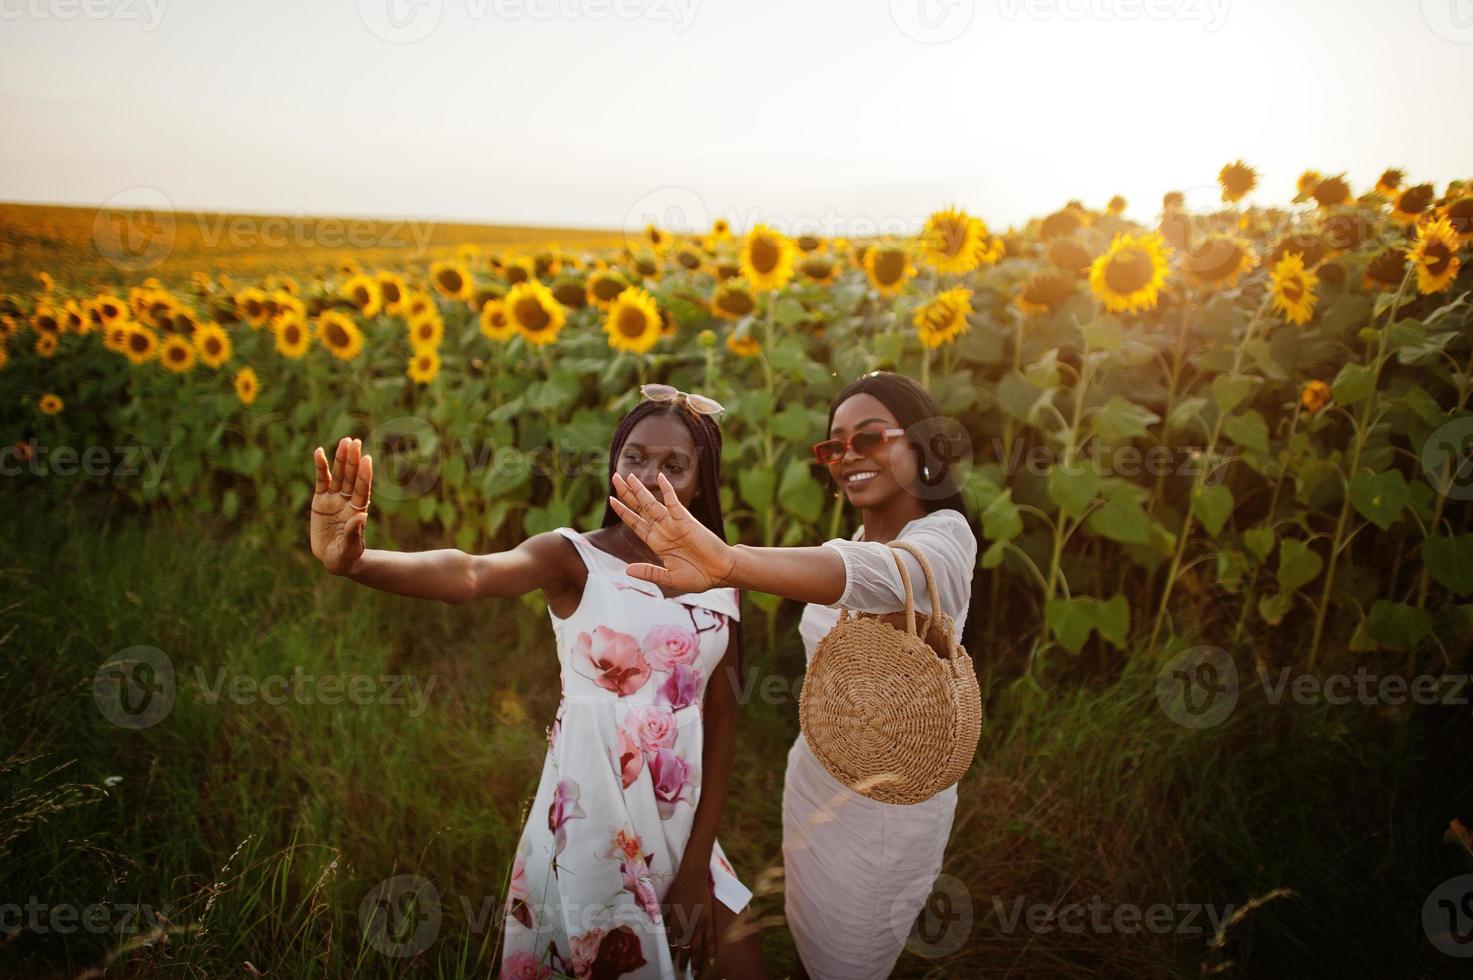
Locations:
(340, 505)
(695, 558)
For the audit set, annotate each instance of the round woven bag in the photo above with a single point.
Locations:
(886, 714)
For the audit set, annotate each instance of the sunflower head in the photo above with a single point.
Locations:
(49, 404)
(819, 268)
(340, 335)
(1314, 396)
(1065, 221)
(1386, 269)
(733, 299)
(424, 365)
(1068, 255)
(747, 346)
(213, 344)
(944, 318)
(535, 312)
(633, 322)
(1332, 191)
(1129, 276)
(1218, 260)
(427, 331)
(1412, 203)
(177, 354)
(1292, 288)
(767, 259)
(247, 385)
(1236, 179)
(1116, 206)
(1459, 214)
(1435, 255)
(570, 292)
(46, 344)
(363, 292)
(292, 337)
(604, 286)
(451, 279)
(1045, 292)
(140, 344)
(392, 290)
(494, 322)
(1306, 184)
(887, 266)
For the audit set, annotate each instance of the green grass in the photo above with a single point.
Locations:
(258, 829)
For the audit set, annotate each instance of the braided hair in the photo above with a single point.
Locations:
(706, 508)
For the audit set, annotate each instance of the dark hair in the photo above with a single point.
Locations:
(912, 405)
(707, 438)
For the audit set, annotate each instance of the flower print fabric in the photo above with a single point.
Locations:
(621, 780)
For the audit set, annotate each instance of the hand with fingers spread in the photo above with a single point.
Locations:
(340, 505)
(695, 558)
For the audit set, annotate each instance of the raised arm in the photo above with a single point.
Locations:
(340, 514)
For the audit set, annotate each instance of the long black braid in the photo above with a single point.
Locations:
(706, 507)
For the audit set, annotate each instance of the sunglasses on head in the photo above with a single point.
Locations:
(696, 403)
(865, 442)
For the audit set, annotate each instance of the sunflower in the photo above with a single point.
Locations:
(45, 320)
(50, 404)
(284, 284)
(47, 283)
(340, 335)
(724, 269)
(1116, 206)
(1292, 288)
(570, 292)
(747, 346)
(655, 238)
(292, 338)
(115, 337)
(1070, 256)
(633, 322)
(536, 314)
(1063, 222)
(720, 232)
(1218, 260)
(645, 265)
(349, 267)
(177, 353)
(887, 267)
(603, 287)
(417, 304)
(1332, 191)
(1389, 183)
(392, 290)
(1315, 395)
(1459, 214)
(1385, 270)
(1412, 203)
(140, 344)
(767, 259)
(688, 257)
(46, 344)
(74, 319)
(247, 386)
(451, 279)
(251, 305)
(1045, 291)
(991, 250)
(213, 344)
(483, 295)
(494, 323)
(109, 309)
(1129, 276)
(1435, 255)
(1237, 179)
(952, 240)
(518, 268)
(1306, 184)
(733, 299)
(363, 292)
(945, 317)
(428, 331)
(546, 264)
(821, 269)
(424, 365)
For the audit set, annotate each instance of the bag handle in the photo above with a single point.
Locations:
(910, 599)
(936, 615)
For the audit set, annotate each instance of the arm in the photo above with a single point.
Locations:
(446, 574)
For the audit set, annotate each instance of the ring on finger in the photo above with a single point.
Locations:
(345, 493)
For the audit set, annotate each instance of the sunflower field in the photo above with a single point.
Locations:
(1236, 426)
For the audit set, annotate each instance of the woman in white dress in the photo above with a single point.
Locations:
(857, 870)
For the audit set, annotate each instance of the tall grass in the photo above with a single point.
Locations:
(250, 833)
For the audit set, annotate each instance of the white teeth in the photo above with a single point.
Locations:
(860, 477)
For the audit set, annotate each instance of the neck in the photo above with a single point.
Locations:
(883, 522)
(635, 545)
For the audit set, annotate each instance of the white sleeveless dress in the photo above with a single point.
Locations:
(621, 780)
(857, 871)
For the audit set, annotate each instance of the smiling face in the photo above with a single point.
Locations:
(870, 481)
(660, 444)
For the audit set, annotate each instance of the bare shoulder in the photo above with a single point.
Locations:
(553, 551)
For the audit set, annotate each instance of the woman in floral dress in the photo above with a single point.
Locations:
(618, 872)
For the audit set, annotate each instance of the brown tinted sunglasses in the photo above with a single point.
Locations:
(865, 442)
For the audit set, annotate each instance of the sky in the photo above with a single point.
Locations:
(844, 117)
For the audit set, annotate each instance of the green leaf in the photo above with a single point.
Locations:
(1229, 391)
(1102, 333)
(1397, 625)
(1260, 541)
(794, 424)
(1018, 396)
(1298, 564)
(1001, 520)
(1450, 561)
(1354, 383)
(1380, 497)
(1119, 419)
(230, 505)
(1184, 412)
(993, 556)
(1248, 430)
(1212, 506)
(1071, 620)
(1122, 517)
(1274, 607)
(757, 484)
(1044, 372)
(1073, 489)
(800, 493)
(789, 312)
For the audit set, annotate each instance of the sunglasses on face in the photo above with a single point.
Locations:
(865, 442)
(696, 403)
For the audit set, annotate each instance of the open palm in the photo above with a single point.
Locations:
(337, 520)
(695, 558)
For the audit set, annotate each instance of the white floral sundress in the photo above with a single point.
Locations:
(621, 780)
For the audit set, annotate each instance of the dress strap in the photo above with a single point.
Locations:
(585, 549)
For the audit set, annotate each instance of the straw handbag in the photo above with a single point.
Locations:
(883, 713)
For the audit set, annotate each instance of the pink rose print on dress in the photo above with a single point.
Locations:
(516, 899)
(611, 660)
(681, 688)
(582, 951)
(672, 777)
(522, 965)
(637, 882)
(651, 726)
(631, 759)
(564, 808)
(666, 646)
